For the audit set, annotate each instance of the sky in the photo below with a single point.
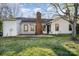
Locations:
(30, 9)
(44, 6)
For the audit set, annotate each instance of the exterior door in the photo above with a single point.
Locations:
(48, 29)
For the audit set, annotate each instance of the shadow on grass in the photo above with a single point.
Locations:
(61, 51)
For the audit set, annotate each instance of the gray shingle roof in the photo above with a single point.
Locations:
(32, 19)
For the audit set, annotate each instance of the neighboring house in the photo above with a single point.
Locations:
(21, 25)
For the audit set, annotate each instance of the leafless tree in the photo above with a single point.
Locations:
(9, 10)
(68, 15)
(5, 11)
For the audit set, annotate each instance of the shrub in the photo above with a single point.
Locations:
(9, 53)
(36, 51)
(73, 47)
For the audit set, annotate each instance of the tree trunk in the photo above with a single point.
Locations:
(74, 21)
(74, 30)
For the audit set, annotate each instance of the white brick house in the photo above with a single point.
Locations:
(22, 25)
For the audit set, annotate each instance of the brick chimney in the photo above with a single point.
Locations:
(38, 24)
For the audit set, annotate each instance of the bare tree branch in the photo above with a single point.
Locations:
(68, 12)
(63, 17)
(61, 9)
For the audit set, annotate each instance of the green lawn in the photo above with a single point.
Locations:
(31, 46)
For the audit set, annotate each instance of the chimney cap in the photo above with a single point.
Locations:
(38, 13)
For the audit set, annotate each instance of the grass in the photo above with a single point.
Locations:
(56, 45)
(37, 51)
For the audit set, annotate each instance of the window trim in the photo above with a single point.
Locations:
(31, 27)
(24, 27)
(56, 27)
(43, 27)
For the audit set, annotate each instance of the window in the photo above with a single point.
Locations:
(32, 27)
(56, 27)
(70, 27)
(25, 27)
(44, 27)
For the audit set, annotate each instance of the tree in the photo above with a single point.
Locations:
(70, 14)
(5, 11)
(9, 11)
